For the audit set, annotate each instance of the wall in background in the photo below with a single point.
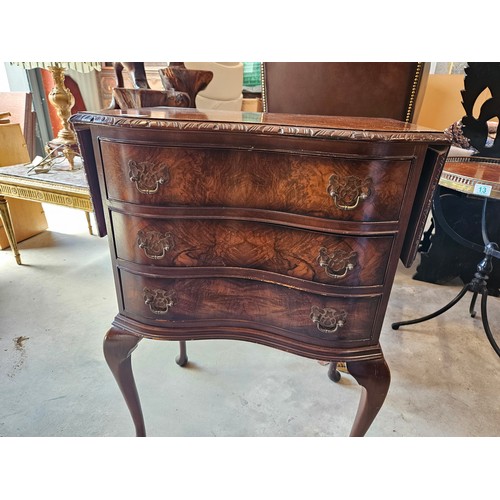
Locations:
(4, 81)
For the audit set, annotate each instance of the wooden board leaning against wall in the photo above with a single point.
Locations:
(28, 217)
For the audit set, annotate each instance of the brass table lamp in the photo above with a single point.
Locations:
(61, 98)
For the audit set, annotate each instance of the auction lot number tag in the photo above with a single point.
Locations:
(482, 189)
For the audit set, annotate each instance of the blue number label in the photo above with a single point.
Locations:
(482, 189)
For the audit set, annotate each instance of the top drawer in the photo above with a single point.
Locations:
(316, 185)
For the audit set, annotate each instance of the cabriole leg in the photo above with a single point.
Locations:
(374, 378)
(182, 359)
(118, 347)
(333, 373)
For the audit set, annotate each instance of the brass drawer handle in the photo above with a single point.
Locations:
(348, 192)
(328, 320)
(338, 264)
(147, 176)
(154, 243)
(159, 301)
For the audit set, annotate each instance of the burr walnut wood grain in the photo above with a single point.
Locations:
(213, 300)
(191, 242)
(283, 230)
(293, 183)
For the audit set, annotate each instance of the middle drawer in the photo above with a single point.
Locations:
(309, 255)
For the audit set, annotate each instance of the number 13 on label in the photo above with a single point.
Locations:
(482, 189)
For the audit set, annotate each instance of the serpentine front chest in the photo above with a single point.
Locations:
(283, 230)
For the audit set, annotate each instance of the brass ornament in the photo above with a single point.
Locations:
(159, 301)
(338, 263)
(328, 320)
(147, 176)
(155, 244)
(349, 191)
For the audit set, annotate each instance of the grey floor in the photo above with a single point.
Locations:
(57, 306)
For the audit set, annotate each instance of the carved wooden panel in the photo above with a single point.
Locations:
(309, 255)
(213, 301)
(296, 183)
(107, 80)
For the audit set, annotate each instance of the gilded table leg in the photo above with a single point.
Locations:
(89, 223)
(9, 230)
(118, 347)
(374, 378)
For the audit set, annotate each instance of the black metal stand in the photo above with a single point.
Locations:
(478, 284)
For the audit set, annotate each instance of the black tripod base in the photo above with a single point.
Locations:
(478, 285)
(395, 326)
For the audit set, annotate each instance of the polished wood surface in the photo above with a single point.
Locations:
(136, 71)
(286, 124)
(144, 98)
(271, 180)
(310, 255)
(285, 311)
(190, 81)
(464, 174)
(284, 230)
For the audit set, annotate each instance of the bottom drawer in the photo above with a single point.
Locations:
(267, 307)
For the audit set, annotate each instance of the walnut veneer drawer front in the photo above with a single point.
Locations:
(316, 185)
(309, 255)
(305, 316)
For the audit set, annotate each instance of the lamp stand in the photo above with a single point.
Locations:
(62, 99)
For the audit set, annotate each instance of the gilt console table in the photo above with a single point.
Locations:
(284, 230)
(59, 186)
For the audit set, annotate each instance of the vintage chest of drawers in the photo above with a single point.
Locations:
(283, 230)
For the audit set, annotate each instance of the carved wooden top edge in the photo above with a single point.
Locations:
(131, 121)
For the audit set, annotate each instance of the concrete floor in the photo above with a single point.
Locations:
(56, 308)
